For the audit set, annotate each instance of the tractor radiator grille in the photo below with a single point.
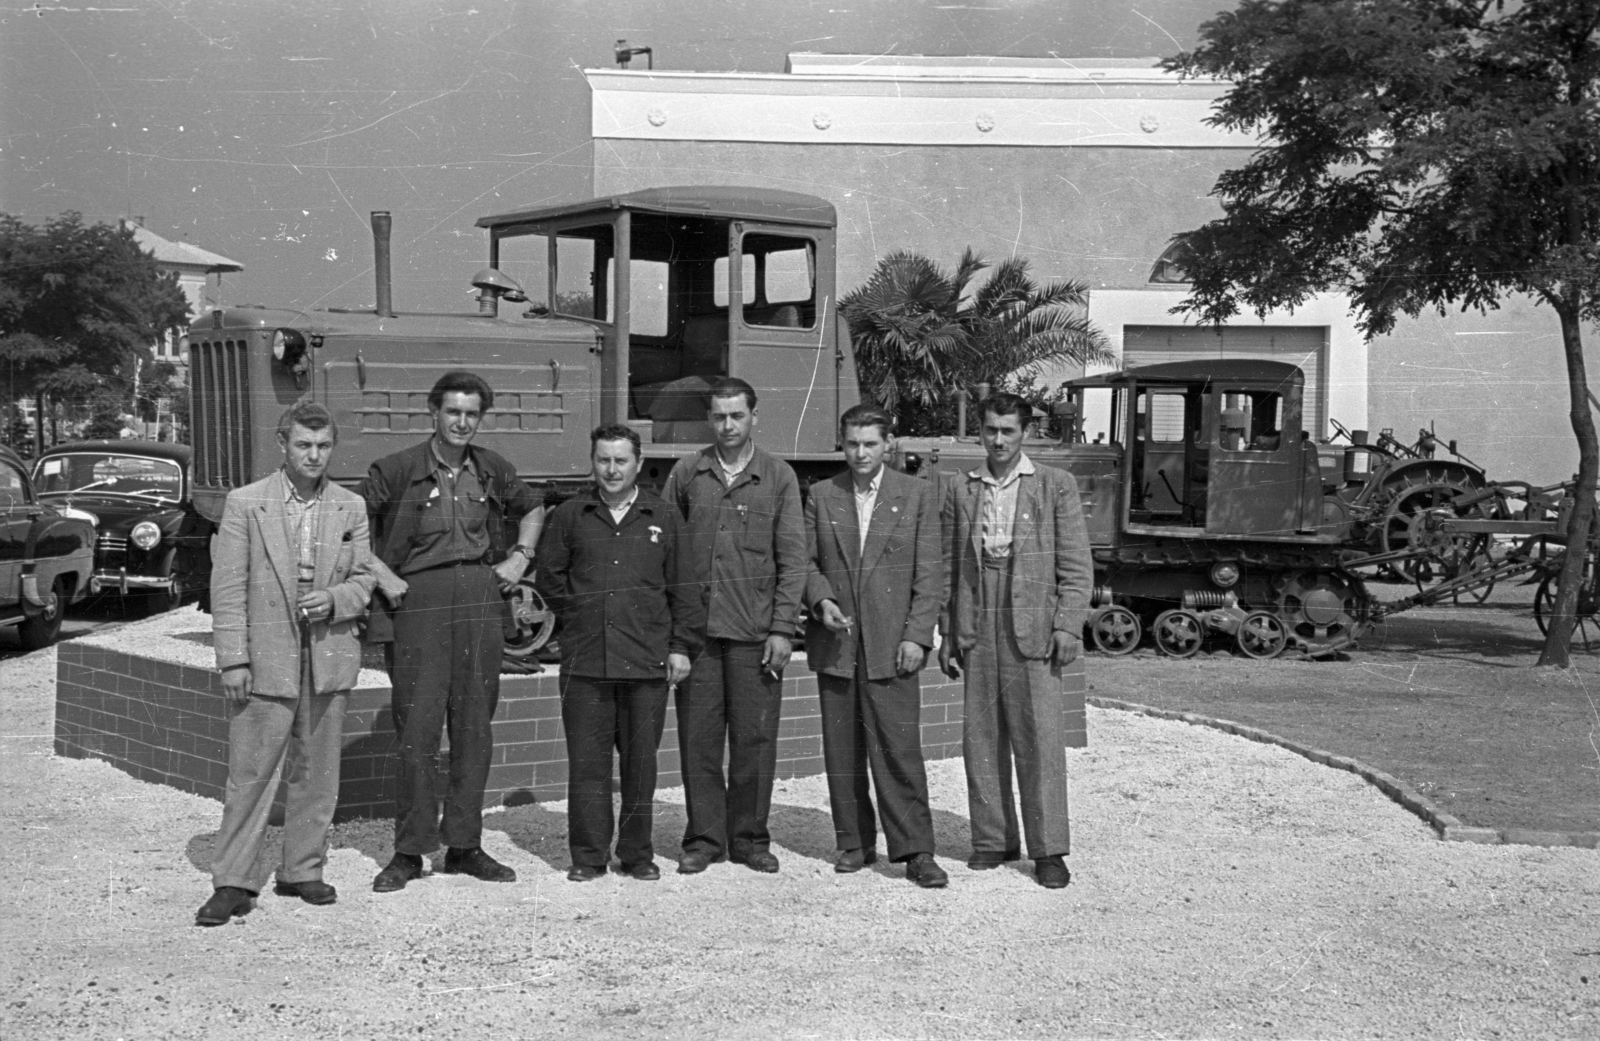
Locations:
(219, 381)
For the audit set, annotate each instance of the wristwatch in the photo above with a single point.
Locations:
(524, 550)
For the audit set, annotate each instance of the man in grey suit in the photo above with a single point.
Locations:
(874, 586)
(1020, 572)
(289, 581)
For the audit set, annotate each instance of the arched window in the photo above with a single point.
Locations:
(1169, 266)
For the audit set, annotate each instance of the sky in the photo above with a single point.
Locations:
(267, 130)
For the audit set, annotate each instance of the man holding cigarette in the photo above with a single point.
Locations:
(874, 588)
(289, 581)
(608, 567)
(747, 552)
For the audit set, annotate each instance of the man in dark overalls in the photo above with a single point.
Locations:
(439, 513)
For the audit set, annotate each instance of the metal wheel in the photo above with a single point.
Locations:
(533, 619)
(1115, 630)
(1262, 635)
(1322, 610)
(1404, 526)
(1178, 633)
(1585, 627)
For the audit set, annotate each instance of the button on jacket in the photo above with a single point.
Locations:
(615, 588)
(746, 543)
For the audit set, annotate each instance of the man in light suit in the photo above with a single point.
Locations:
(289, 582)
(1020, 575)
(874, 585)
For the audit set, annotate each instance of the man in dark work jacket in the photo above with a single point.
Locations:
(438, 514)
(747, 546)
(608, 567)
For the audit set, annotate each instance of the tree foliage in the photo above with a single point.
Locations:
(78, 303)
(920, 332)
(1416, 154)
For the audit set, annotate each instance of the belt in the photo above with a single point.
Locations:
(473, 562)
(994, 563)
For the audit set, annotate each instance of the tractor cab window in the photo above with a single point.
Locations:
(1251, 421)
(779, 276)
(581, 253)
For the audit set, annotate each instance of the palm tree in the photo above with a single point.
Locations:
(919, 333)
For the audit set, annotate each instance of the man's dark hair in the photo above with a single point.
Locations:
(464, 382)
(1004, 404)
(728, 386)
(616, 432)
(865, 416)
(308, 414)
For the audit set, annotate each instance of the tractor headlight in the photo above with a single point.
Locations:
(145, 535)
(288, 346)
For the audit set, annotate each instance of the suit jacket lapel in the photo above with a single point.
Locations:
(842, 513)
(1027, 518)
(885, 515)
(270, 517)
(971, 498)
(330, 529)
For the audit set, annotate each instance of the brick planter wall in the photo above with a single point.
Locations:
(168, 723)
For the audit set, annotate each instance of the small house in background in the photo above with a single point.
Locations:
(199, 274)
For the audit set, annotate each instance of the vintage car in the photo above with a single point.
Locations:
(137, 493)
(46, 555)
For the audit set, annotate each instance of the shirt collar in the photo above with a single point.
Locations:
(467, 462)
(740, 465)
(290, 495)
(1024, 468)
(872, 485)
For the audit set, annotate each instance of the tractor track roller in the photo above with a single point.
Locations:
(1178, 633)
(1115, 630)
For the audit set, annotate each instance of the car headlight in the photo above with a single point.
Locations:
(145, 534)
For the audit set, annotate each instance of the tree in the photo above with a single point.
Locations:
(1418, 154)
(920, 332)
(78, 303)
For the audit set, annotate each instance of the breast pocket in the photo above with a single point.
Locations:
(430, 520)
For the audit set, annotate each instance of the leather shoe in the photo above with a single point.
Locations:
(315, 891)
(695, 861)
(584, 873)
(478, 864)
(1051, 872)
(225, 903)
(402, 868)
(922, 870)
(644, 870)
(987, 860)
(760, 860)
(853, 860)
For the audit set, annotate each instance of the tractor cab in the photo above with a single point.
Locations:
(717, 282)
(1210, 448)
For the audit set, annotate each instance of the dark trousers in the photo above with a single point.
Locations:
(599, 715)
(729, 702)
(445, 669)
(1013, 706)
(878, 722)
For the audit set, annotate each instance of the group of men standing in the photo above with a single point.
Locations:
(698, 593)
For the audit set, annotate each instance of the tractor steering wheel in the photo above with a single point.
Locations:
(1340, 428)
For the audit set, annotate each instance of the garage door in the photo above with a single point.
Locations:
(1302, 345)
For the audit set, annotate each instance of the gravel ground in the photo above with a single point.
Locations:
(1221, 888)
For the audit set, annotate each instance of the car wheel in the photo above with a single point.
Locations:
(42, 625)
(158, 601)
